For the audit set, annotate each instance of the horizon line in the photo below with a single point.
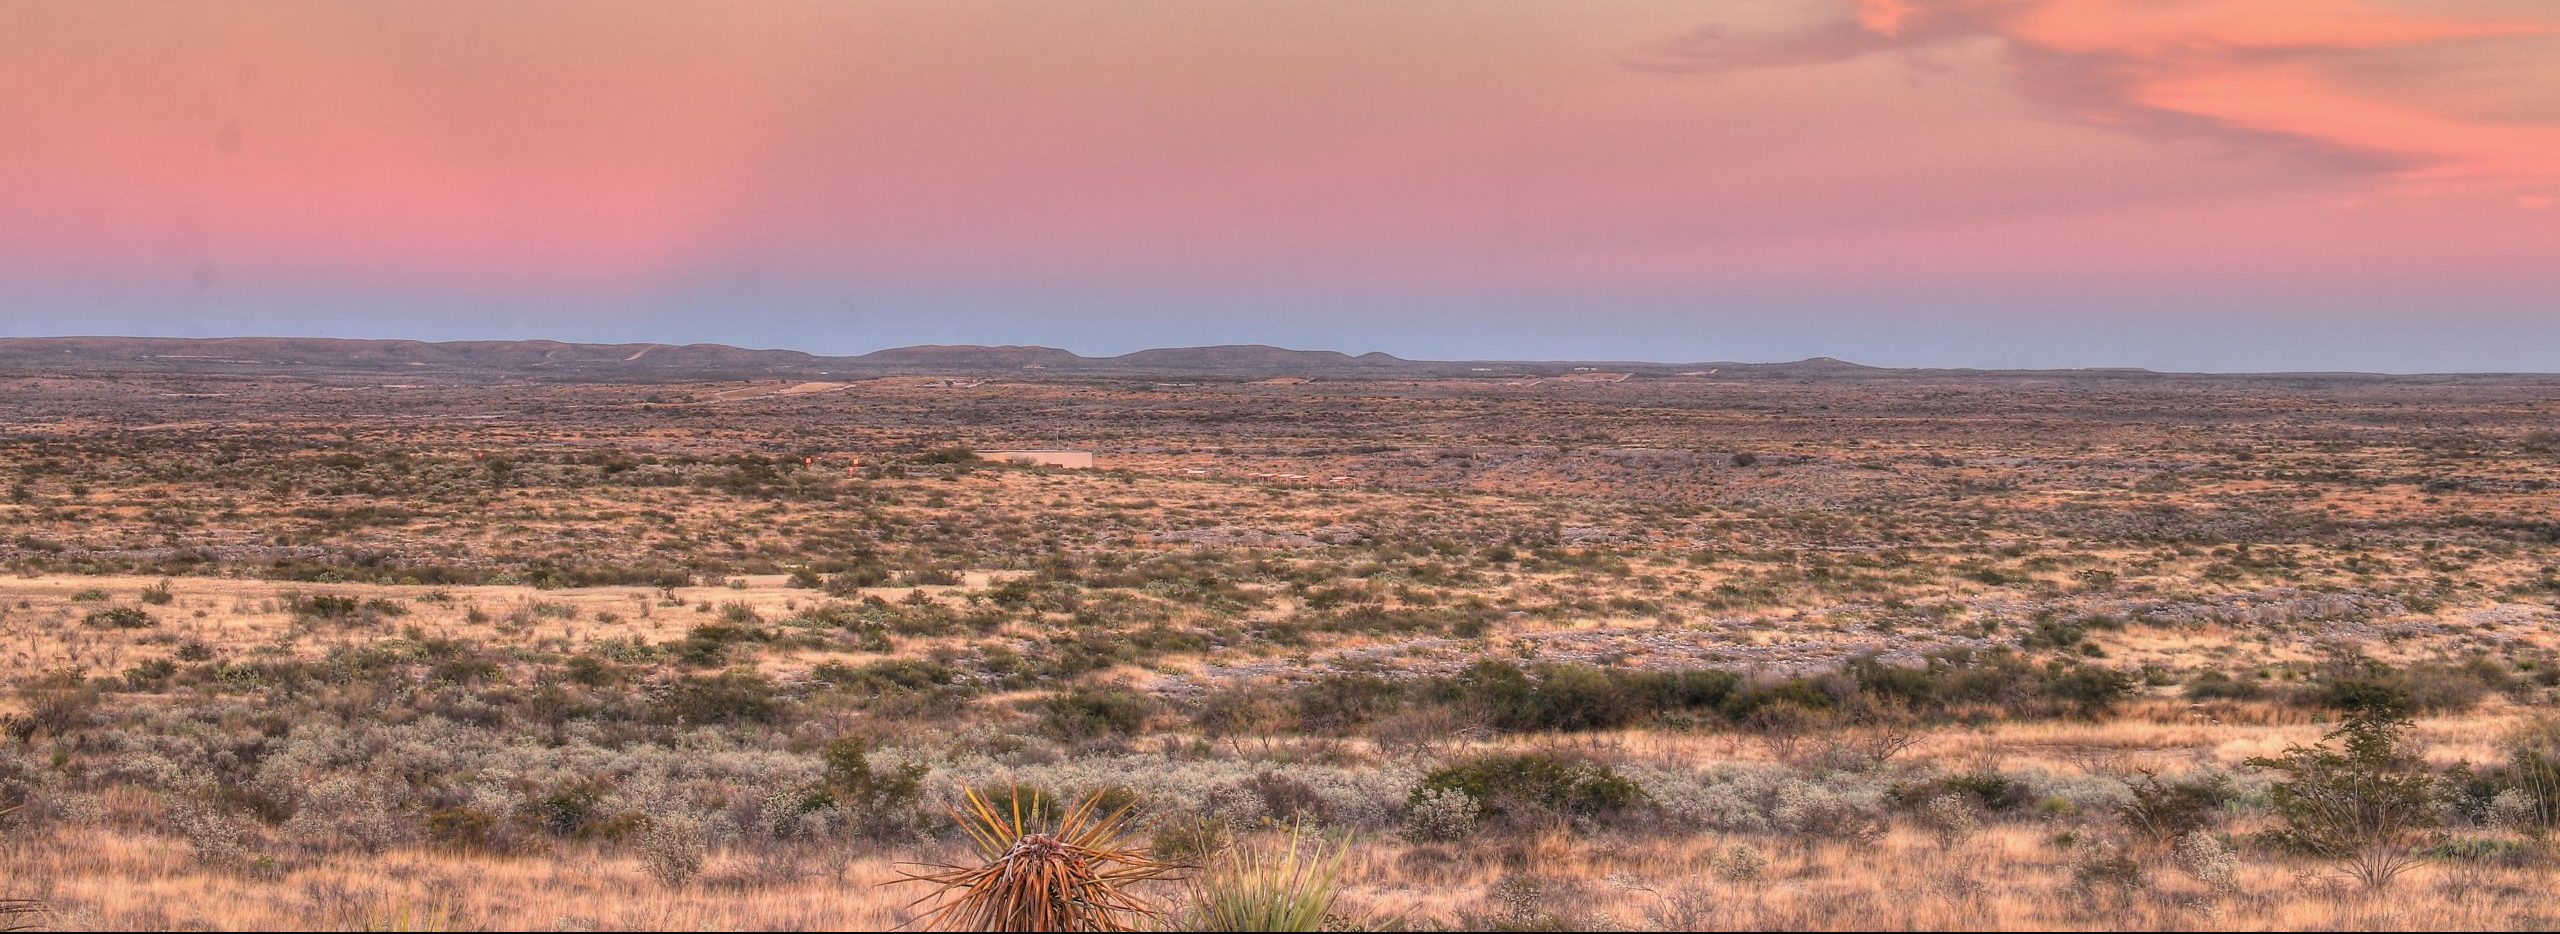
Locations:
(1818, 359)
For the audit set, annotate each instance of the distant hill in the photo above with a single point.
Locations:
(284, 354)
(972, 357)
(545, 359)
(556, 358)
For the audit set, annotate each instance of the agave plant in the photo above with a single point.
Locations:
(1076, 876)
(1285, 886)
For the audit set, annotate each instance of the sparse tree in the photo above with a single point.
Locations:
(2362, 797)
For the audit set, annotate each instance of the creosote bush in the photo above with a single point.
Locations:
(2362, 798)
(1524, 786)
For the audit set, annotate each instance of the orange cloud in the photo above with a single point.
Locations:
(1883, 16)
(2272, 71)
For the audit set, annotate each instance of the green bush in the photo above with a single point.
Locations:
(2089, 689)
(322, 606)
(1792, 693)
(881, 802)
(731, 697)
(1337, 703)
(1517, 785)
(2169, 809)
(119, 617)
(2367, 802)
(2215, 685)
(1984, 788)
(1574, 698)
(1088, 714)
(2361, 684)
(466, 827)
(2523, 792)
(564, 812)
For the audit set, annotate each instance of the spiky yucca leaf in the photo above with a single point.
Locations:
(1076, 876)
(1285, 886)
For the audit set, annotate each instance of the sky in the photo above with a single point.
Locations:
(2181, 184)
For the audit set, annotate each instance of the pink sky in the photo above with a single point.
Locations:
(607, 168)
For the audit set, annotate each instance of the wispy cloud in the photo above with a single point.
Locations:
(2258, 72)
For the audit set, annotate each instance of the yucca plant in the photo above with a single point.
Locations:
(1287, 886)
(1076, 876)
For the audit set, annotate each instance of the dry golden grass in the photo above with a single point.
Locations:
(2008, 877)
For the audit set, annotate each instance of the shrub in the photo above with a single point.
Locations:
(1333, 704)
(1089, 714)
(323, 606)
(1983, 789)
(151, 675)
(707, 645)
(2089, 689)
(673, 849)
(1797, 694)
(1809, 809)
(1991, 790)
(929, 577)
(880, 801)
(2361, 684)
(732, 697)
(2361, 695)
(568, 811)
(2215, 685)
(119, 617)
(1191, 841)
(1951, 819)
(463, 826)
(2368, 803)
(1439, 815)
(1288, 799)
(2108, 867)
(1742, 865)
(2167, 810)
(1572, 697)
(1515, 785)
(2528, 782)
(2204, 859)
(220, 838)
(56, 702)
(1567, 697)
